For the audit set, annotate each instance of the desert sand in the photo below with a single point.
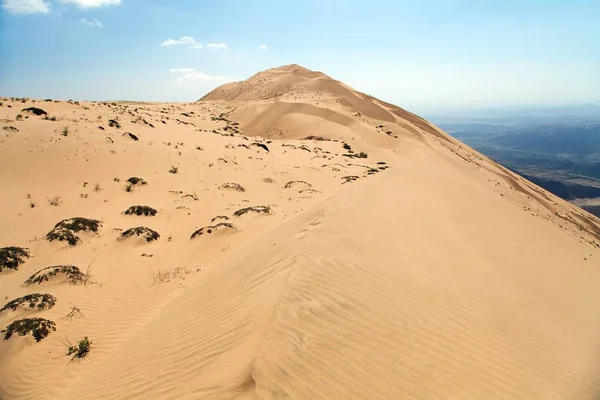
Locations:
(380, 259)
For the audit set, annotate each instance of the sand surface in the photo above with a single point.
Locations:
(422, 270)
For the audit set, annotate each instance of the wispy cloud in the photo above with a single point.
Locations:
(216, 46)
(263, 47)
(196, 46)
(92, 23)
(92, 3)
(26, 6)
(190, 75)
(182, 40)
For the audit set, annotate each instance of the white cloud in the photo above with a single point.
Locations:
(182, 70)
(190, 75)
(263, 47)
(92, 3)
(196, 46)
(216, 46)
(182, 40)
(26, 6)
(92, 23)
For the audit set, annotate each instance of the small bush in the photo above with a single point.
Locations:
(128, 187)
(258, 209)
(131, 136)
(39, 328)
(55, 201)
(263, 146)
(114, 123)
(35, 110)
(65, 230)
(19, 117)
(234, 186)
(141, 210)
(347, 179)
(224, 217)
(148, 234)
(293, 183)
(174, 169)
(34, 300)
(97, 187)
(81, 350)
(134, 180)
(12, 257)
(73, 274)
(65, 131)
(212, 228)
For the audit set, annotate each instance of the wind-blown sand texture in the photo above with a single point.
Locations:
(417, 270)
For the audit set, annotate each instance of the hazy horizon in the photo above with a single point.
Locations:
(434, 56)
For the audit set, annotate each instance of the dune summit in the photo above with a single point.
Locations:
(297, 239)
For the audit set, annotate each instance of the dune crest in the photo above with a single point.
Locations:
(284, 237)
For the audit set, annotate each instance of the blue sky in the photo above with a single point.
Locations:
(418, 54)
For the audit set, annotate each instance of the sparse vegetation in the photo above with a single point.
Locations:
(128, 187)
(65, 131)
(65, 230)
(234, 186)
(114, 123)
(262, 146)
(12, 257)
(192, 196)
(19, 117)
(268, 180)
(140, 210)
(71, 272)
(134, 180)
(81, 350)
(148, 234)
(212, 228)
(293, 183)
(35, 300)
(224, 217)
(257, 209)
(351, 178)
(166, 275)
(39, 328)
(74, 313)
(55, 201)
(131, 136)
(97, 187)
(35, 110)
(174, 169)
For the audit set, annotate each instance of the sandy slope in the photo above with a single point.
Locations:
(442, 276)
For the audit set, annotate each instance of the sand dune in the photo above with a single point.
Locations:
(379, 258)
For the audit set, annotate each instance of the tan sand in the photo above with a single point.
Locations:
(444, 276)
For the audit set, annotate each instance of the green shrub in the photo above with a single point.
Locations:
(148, 234)
(34, 300)
(12, 257)
(39, 328)
(65, 230)
(256, 209)
(140, 210)
(73, 274)
(81, 350)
